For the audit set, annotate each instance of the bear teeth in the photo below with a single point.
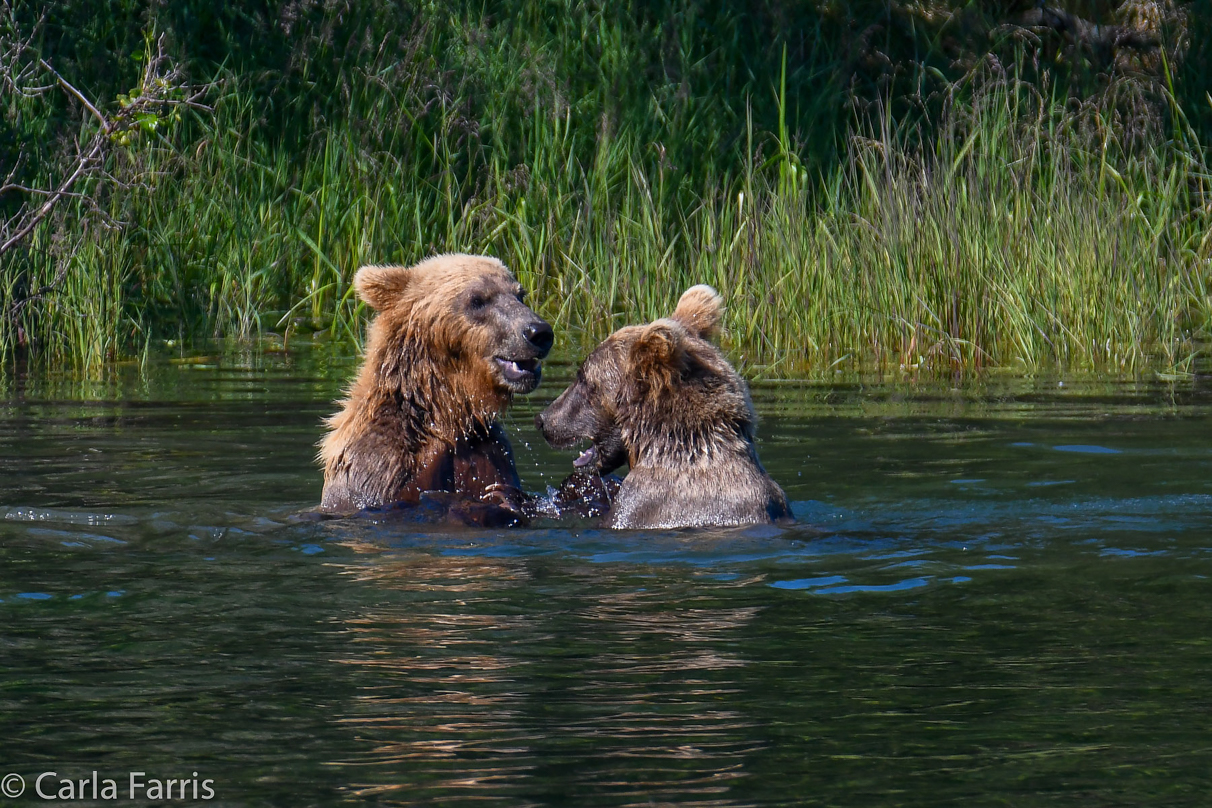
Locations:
(586, 457)
(516, 369)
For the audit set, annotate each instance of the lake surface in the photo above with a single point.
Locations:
(996, 595)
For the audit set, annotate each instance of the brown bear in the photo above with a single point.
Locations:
(663, 399)
(450, 344)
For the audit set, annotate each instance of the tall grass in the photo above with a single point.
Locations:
(1016, 230)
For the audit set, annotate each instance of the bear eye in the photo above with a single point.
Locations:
(477, 302)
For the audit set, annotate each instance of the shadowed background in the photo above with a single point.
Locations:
(932, 185)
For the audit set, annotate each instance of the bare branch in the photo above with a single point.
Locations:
(21, 303)
(33, 219)
(16, 68)
(36, 191)
(62, 82)
(24, 72)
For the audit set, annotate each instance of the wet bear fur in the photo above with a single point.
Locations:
(450, 343)
(663, 399)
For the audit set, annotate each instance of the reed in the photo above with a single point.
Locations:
(1011, 229)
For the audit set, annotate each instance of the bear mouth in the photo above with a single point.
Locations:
(589, 457)
(520, 373)
(600, 458)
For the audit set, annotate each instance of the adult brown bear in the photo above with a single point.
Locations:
(450, 344)
(663, 398)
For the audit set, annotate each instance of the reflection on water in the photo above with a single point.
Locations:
(994, 595)
(500, 704)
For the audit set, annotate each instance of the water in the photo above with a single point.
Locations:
(998, 595)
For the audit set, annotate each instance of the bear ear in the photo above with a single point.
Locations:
(381, 286)
(700, 310)
(657, 354)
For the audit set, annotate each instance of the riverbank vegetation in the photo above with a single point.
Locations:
(925, 186)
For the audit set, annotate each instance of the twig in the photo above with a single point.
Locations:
(28, 190)
(94, 154)
(62, 82)
(160, 89)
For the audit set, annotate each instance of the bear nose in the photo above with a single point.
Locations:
(538, 422)
(540, 335)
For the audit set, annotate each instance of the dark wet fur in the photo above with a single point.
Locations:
(587, 494)
(664, 399)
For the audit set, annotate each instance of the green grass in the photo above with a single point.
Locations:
(1010, 228)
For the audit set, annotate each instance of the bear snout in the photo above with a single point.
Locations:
(555, 430)
(553, 426)
(540, 336)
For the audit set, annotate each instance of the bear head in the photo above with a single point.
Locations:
(661, 387)
(463, 314)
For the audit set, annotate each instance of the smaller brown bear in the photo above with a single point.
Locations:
(663, 398)
(450, 344)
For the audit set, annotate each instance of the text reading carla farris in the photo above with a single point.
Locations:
(130, 786)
